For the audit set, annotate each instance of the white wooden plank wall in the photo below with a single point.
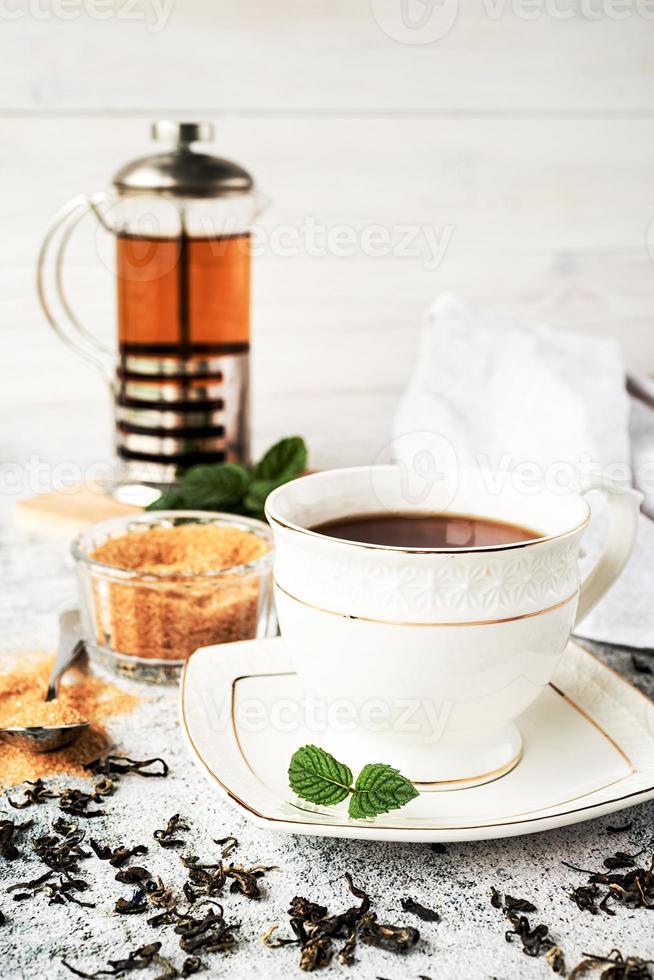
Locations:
(524, 146)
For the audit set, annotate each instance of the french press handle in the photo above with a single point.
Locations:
(50, 282)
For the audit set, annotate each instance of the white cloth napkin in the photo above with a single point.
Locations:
(506, 393)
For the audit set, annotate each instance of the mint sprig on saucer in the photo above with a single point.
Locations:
(316, 776)
(378, 789)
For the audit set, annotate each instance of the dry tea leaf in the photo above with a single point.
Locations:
(424, 913)
(166, 837)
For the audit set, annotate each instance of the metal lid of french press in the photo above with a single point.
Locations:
(183, 171)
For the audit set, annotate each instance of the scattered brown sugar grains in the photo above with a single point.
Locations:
(169, 617)
(184, 549)
(82, 697)
(19, 764)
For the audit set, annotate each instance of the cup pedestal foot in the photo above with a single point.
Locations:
(458, 761)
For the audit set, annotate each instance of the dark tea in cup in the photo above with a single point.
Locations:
(425, 530)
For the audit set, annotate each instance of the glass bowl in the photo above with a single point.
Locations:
(146, 625)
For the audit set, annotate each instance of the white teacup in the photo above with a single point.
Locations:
(424, 658)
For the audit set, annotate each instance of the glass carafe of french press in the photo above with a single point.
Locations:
(179, 373)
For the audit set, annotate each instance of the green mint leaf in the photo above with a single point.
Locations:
(233, 487)
(283, 462)
(378, 789)
(208, 486)
(170, 499)
(316, 776)
(215, 486)
(255, 499)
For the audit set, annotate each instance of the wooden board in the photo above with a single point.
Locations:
(66, 513)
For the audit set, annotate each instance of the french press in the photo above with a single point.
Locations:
(179, 371)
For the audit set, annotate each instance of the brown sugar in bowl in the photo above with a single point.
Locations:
(156, 586)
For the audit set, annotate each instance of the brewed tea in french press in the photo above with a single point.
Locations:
(179, 373)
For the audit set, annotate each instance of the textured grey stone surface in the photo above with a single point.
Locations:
(36, 577)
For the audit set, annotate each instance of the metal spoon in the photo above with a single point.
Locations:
(52, 737)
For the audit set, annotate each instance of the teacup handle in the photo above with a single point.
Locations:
(624, 507)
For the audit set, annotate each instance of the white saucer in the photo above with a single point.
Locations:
(588, 751)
